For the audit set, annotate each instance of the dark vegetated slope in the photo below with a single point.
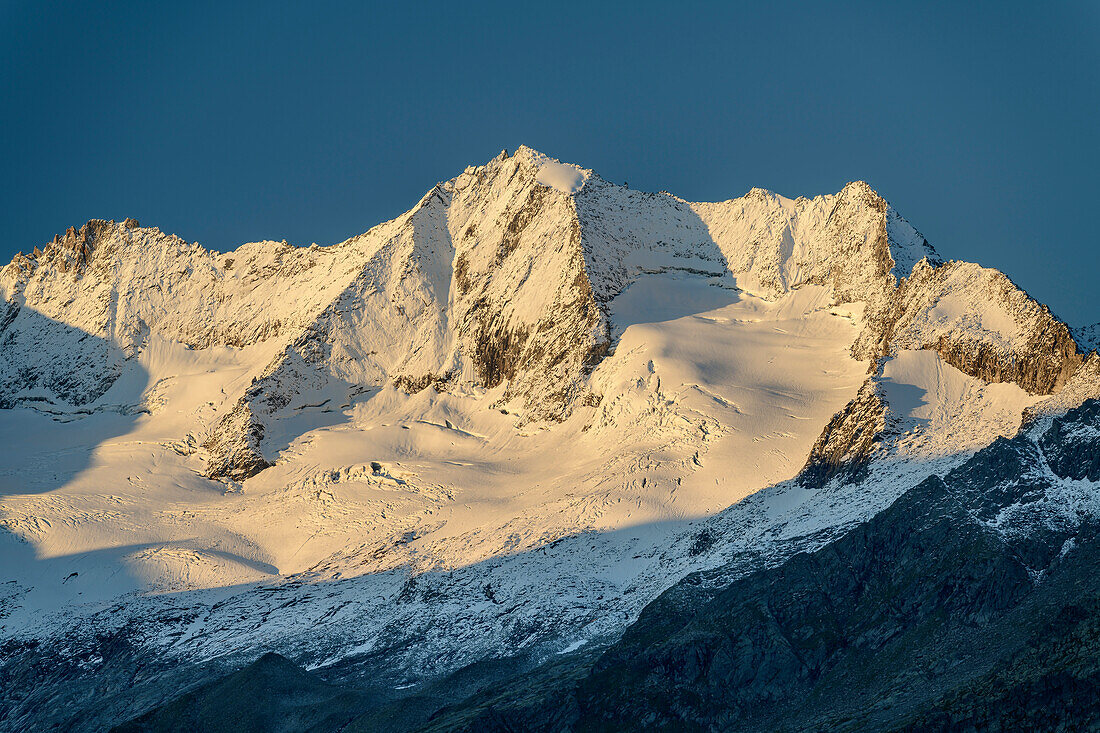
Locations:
(271, 694)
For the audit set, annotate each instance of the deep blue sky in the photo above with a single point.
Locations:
(314, 121)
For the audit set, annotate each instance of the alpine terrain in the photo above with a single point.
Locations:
(545, 453)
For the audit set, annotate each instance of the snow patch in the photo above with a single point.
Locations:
(574, 646)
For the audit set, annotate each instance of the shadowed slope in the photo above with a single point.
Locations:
(269, 695)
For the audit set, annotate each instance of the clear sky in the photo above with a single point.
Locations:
(313, 121)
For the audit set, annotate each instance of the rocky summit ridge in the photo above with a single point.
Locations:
(494, 278)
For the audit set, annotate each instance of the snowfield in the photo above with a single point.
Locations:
(503, 422)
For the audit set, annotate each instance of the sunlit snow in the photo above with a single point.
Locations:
(440, 508)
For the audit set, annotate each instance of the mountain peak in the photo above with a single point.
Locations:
(551, 172)
(385, 448)
(860, 186)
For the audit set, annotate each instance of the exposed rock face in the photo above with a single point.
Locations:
(853, 241)
(1083, 385)
(979, 322)
(77, 310)
(120, 282)
(849, 441)
(1088, 338)
(42, 360)
(362, 392)
(483, 283)
(1072, 443)
(523, 302)
(859, 264)
(234, 445)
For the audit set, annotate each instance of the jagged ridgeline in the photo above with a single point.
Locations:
(485, 437)
(498, 279)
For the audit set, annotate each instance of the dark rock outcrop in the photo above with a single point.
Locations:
(1072, 443)
(942, 308)
(271, 694)
(234, 445)
(530, 252)
(847, 444)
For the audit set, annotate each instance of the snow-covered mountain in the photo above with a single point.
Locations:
(500, 424)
